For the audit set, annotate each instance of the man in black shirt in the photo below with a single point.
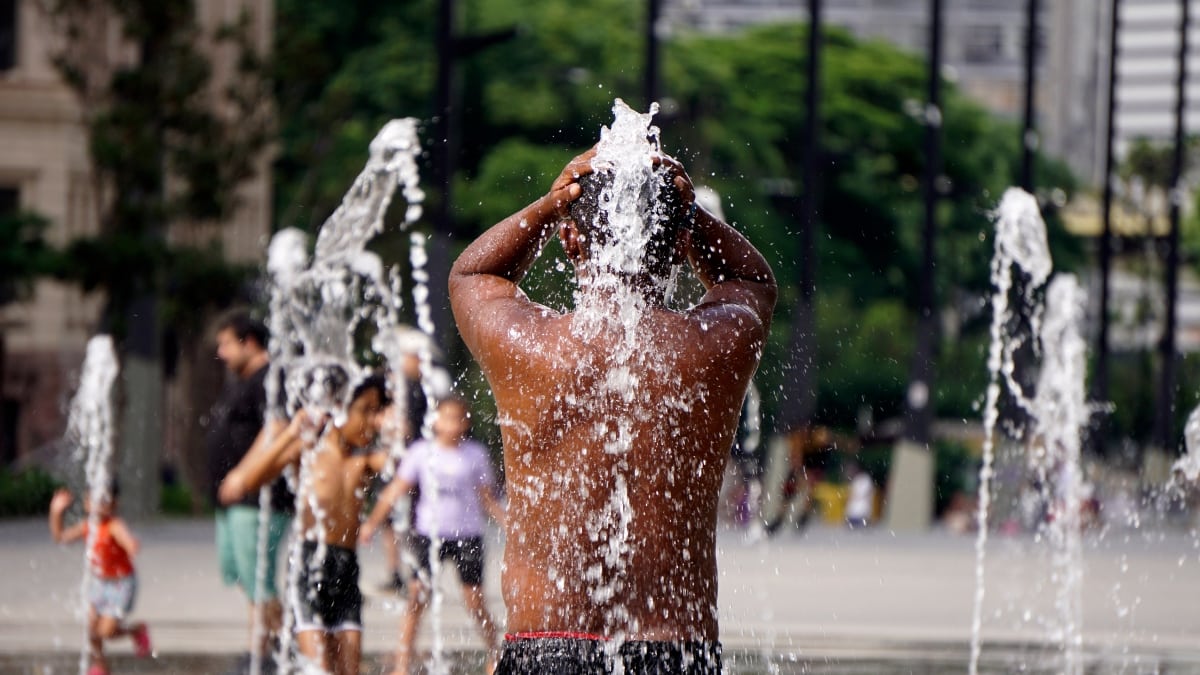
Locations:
(235, 421)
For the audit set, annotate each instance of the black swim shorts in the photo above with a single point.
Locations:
(327, 595)
(523, 654)
(467, 555)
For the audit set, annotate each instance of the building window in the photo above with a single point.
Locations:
(8, 34)
(10, 200)
(983, 44)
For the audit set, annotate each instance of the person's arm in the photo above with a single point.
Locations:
(58, 506)
(491, 503)
(726, 262)
(492, 266)
(265, 461)
(377, 461)
(124, 538)
(383, 506)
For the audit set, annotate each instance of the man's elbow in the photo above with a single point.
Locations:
(770, 290)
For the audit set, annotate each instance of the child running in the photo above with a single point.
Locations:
(457, 487)
(113, 586)
(327, 604)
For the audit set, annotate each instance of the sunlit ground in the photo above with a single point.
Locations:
(820, 601)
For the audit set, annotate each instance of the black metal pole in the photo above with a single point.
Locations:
(920, 388)
(442, 156)
(801, 388)
(650, 86)
(1012, 416)
(1165, 409)
(441, 104)
(1100, 381)
(1029, 137)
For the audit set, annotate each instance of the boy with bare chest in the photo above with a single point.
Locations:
(334, 475)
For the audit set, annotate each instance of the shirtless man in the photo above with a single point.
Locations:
(328, 606)
(585, 587)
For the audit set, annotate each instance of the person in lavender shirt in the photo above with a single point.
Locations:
(458, 488)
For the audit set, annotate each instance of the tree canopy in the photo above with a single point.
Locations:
(731, 111)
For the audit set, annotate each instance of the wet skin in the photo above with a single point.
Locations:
(670, 424)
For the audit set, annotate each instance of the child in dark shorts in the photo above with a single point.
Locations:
(325, 598)
(329, 597)
(458, 487)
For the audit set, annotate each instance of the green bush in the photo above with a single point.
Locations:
(957, 470)
(26, 493)
(176, 500)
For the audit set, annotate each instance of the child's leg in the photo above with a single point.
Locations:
(477, 606)
(347, 652)
(95, 640)
(418, 600)
(313, 646)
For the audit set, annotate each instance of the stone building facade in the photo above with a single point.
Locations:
(45, 168)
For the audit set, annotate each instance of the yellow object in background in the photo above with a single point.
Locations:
(830, 499)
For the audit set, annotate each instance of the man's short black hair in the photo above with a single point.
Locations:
(244, 326)
(659, 199)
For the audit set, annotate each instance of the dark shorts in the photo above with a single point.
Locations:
(327, 595)
(587, 656)
(467, 555)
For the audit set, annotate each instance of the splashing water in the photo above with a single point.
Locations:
(318, 307)
(1188, 466)
(90, 426)
(605, 303)
(1021, 241)
(345, 285)
(614, 303)
(633, 215)
(396, 345)
(1061, 412)
(287, 256)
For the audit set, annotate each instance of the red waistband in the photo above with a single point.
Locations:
(560, 634)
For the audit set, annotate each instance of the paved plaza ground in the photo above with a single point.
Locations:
(820, 596)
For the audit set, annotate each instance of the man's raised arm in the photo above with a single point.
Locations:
(490, 268)
(729, 266)
(507, 250)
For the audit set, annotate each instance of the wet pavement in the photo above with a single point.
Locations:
(820, 601)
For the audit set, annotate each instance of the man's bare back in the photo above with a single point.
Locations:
(613, 465)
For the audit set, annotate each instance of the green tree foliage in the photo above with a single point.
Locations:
(24, 255)
(341, 72)
(1146, 173)
(166, 147)
(732, 112)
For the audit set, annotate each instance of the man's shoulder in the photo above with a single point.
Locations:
(536, 337)
(258, 378)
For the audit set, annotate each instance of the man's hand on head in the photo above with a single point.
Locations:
(565, 189)
(680, 179)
